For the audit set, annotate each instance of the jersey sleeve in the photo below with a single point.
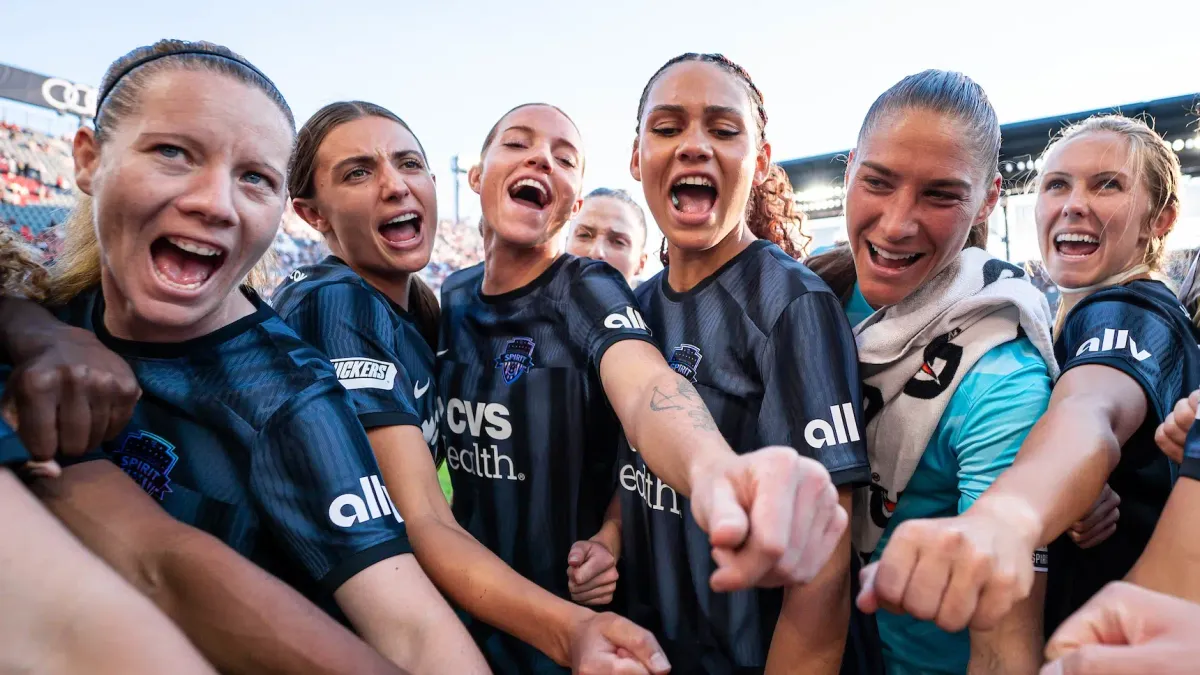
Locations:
(811, 386)
(600, 311)
(1123, 332)
(315, 479)
(1191, 454)
(358, 333)
(995, 407)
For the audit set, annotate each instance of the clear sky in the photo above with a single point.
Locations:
(451, 67)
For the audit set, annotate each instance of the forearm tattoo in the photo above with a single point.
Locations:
(685, 398)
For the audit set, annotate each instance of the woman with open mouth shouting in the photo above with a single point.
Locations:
(764, 344)
(242, 430)
(956, 359)
(1108, 196)
(360, 176)
(543, 355)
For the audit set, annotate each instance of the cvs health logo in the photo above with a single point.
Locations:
(657, 494)
(485, 421)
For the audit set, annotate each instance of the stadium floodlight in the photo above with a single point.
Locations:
(1020, 166)
(1189, 143)
(1008, 167)
(1178, 144)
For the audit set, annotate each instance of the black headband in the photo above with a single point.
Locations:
(180, 52)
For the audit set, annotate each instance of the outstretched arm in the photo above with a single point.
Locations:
(243, 619)
(481, 583)
(772, 515)
(61, 603)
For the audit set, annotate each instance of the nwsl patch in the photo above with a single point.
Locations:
(516, 359)
(686, 360)
(148, 459)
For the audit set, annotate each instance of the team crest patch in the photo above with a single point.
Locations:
(516, 359)
(148, 459)
(686, 360)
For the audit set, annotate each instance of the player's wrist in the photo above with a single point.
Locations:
(609, 536)
(1013, 514)
(574, 624)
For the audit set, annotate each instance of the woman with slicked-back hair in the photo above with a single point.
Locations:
(956, 359)
(243, 456)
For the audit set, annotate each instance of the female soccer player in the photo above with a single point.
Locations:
(1107, 197)
(538, 350)
(60, 601)
(242, 430)
(360, 177)
(767, 347)
(610, 226)
(954, 347)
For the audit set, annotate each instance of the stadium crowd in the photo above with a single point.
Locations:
(891, 456)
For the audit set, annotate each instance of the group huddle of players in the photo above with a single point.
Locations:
(889, 457)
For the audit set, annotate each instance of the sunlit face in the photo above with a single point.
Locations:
(914, 188)
(188, 193)
(1092, 211)
(530, 176)
(698, 154)
(374, 198)
(608, 229)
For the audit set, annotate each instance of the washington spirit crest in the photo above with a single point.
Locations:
(686, 361)
(516, 359)
(148, 459)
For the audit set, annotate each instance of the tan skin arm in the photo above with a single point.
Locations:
(481, 583)
(810, 635)
(1015, 644)
(241, 618)
(61, 604)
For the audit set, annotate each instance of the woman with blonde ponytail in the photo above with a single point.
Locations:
(243, 454)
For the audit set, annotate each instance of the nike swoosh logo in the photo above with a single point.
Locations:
(443, 352)
(419, 391)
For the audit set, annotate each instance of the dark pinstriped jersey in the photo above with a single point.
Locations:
(1141, 330)
(245, 433)
(12, 452)
(374, 344)
(530, 437)
(1191, 454)
(768, 347)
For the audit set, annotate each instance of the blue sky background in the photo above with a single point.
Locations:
(450, 67)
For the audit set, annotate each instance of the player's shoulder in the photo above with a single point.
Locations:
(1137, 297)
(277, 371)
(330, 280)
(463, 281)
(771, 284)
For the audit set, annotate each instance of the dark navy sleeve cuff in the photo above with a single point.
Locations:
(374, 420)
(345, 570)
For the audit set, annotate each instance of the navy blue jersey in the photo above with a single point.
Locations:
(246, 434)
(1141, 330)
(530, 437)
(374, 344)
(768, 346)
(12, 452)
(1191, 454)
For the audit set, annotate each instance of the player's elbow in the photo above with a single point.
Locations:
(1095, 417)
